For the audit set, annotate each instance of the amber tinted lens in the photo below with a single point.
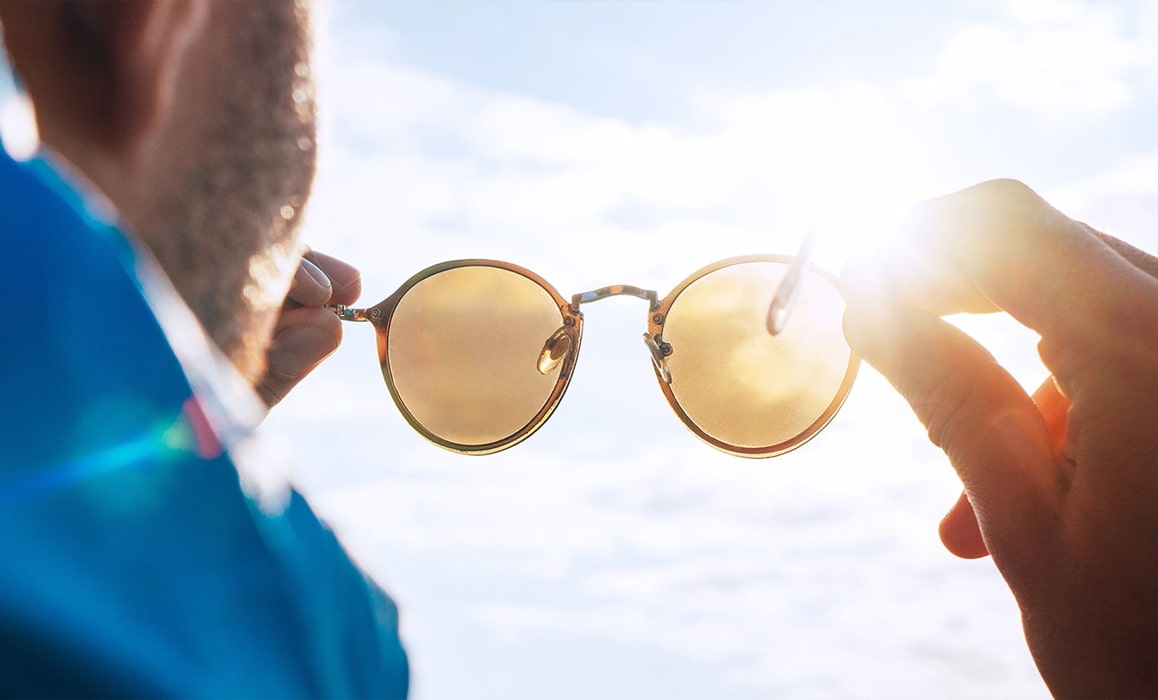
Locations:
(741, 385)
(463, 350)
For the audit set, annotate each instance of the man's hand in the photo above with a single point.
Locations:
(1061, 487)
(307, 332)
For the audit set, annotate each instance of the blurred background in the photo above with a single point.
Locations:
(613, 555)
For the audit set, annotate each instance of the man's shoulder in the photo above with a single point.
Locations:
(134, 563)
(85, 359)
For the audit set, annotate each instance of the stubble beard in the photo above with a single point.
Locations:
(224, 227)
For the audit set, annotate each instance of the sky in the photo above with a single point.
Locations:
(612, 554)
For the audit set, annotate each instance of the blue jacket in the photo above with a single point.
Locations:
(133, 562)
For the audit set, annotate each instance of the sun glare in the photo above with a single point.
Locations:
(836, 160)
(855, 184)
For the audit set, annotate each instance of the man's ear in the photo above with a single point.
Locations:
(100, 74)
(155, 43)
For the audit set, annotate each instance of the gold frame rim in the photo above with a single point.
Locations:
(381, 314)
(766, 451)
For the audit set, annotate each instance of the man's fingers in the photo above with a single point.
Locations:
(998, 245)
(310, 286)
(990, 429)
(345, 279)
(304, 337)
(1054, 409)
(1138, 258)
(306, 333)
(322, 279)
(960, 532)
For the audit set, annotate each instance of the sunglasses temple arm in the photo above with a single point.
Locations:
(789, 288)
(347, 313)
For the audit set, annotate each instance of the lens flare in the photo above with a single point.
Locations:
(738, 384)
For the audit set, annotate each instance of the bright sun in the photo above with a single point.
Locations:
(839, 160)
(859, 181)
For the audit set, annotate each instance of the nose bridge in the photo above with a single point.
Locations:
(657, 347)
(616, 290)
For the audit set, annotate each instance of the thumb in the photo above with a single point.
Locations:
(973, 409)
(304, 337)
(959, 530)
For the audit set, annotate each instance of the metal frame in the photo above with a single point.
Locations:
(562, 347)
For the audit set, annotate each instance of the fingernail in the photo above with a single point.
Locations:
(309, 273)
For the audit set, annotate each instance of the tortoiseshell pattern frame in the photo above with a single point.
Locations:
(571, 332)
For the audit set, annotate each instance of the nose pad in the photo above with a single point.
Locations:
(659, 353)
(555, 350)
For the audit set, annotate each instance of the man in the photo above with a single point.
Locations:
(133, 563)
(141, 555)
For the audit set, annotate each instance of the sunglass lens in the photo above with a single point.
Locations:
(744, 388)
(463, 354)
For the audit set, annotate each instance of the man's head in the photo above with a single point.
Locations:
(196, 119)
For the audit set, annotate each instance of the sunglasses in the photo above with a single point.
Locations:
(749, 351)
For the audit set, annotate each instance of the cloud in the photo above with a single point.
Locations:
(426, 162)
(1120, 199)
(1062, 60)
(1134, 176)
(613, 523)
(418, 161)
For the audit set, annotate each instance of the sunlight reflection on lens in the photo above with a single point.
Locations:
(464, 349)
(741, 384)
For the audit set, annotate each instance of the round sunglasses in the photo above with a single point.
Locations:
(749, 351)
